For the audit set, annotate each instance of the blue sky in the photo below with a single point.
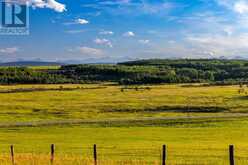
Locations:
(114, 30)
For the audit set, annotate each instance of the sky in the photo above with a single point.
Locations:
(121, 30)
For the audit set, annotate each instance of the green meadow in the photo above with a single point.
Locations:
(128, 124)
(187, 143)
(26, 103)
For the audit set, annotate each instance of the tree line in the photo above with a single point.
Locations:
(154, 71)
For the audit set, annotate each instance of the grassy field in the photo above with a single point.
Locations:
(44, 67)
(201, 143)
(129, 125)
(94, 102)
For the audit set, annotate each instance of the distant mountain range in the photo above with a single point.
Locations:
(64, 62)
(105, 60)
(30, 63)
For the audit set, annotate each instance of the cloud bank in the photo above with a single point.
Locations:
(50, 4)
(10, 50)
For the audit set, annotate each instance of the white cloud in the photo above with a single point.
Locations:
(196, 45)
(238, 6)
(103, 42)
(51, 4)
(220, 44)
(156, 8)
(81, 21)
(77, 21)
(117, 2)
(144, 41)
(171, 42)
(226, 3)
(222, 41)
(241, 7)
(88, 52)
(130, 7)
(106, 32)
(228, 30)
(10, 50)
(129, 34)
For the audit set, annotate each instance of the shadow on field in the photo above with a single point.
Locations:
(61, 88)
(182, 109)
(43, 112)
(245, 98)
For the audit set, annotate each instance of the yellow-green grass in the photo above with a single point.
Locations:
(186, 144)
(105, 101)
(120, 137)
(44, 67)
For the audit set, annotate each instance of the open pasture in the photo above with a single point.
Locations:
(26, 103)
(186, 143)
(128, 124)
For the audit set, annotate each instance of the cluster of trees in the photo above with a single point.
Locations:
(163, 71)
(200, 70)
(135, 72)
(22, 75)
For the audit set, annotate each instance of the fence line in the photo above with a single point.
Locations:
(163, 154)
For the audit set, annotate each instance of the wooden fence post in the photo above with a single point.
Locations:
(12, 154)
(231, 154)
(164, 155)
(95, 155)
(52, 153)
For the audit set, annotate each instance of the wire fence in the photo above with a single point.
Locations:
(100, 155)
